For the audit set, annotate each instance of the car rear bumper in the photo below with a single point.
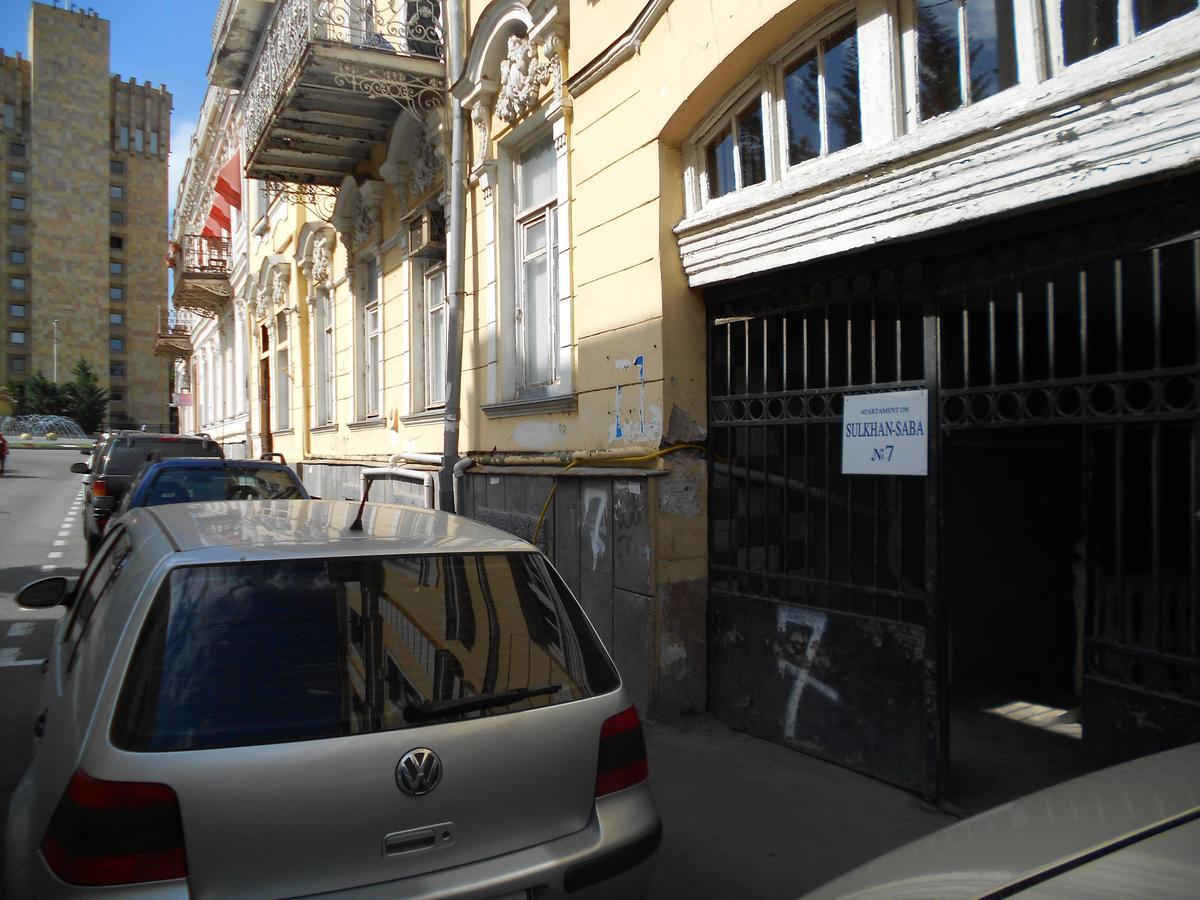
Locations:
(613, 857)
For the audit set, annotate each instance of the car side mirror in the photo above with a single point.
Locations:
(104, 504)
(45, 593)
(80, 469)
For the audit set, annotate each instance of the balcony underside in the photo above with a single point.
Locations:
(173, 346)
(341, 102)
(203, 294)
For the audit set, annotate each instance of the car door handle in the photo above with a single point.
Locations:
(39, 726)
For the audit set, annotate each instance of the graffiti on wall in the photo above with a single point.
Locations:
(805, 628)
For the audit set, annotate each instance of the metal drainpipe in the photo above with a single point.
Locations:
(455, 251)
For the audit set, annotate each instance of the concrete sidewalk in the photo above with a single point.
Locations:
(747, 818)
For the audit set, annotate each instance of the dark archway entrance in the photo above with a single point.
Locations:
(1060, 353)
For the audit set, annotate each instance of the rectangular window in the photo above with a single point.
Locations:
(116, 396)
(116, 318)
(16, 337)
(821, 98)
(17, 310)
(116, 370)
(966, 51)
(16, 201)
(16, 283)
(324, 352)
(16, 364)
(116, 167)
(116, 192)
(137, 140)
(115, 242)
(16, 257)
(123, 137)
(283, 386)
(435, 336)
(116, 217)
(154, 143)
(116, 293)
(737, 155)
(16, 176)
(10, 116)
(17, 230)
(16, 149)
(372, 342)
(537, 251)
(116, 268)
(116, 344)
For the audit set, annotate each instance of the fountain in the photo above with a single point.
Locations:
(59, 426)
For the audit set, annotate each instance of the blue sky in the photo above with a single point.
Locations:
(162, 41)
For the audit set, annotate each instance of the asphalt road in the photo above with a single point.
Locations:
(40, 534)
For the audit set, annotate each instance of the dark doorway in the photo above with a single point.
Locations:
(1015, 587)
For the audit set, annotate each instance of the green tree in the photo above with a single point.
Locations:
(85, 401)
(42, 397)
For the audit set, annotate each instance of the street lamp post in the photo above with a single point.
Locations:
(55, 323)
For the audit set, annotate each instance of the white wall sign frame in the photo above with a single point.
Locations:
(886, 434)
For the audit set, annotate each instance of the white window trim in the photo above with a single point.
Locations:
(323, 354)
(281, 393)
(512, 387)
(368, 407)
(432, 378)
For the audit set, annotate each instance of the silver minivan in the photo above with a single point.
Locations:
(296, 698)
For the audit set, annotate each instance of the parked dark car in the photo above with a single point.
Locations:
(196, 479)
(116, 459)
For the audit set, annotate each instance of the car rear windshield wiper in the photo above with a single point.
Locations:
(424, 712)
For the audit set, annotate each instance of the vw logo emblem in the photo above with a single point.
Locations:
(418, 771)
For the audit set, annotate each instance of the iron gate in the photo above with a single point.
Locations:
(827, 621)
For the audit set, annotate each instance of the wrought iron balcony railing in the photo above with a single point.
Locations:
(202, 274)
(203, 254)
(334, 72)
(174, 337)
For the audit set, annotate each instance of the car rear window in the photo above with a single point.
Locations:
(260, 653)
(181, 485)
(128, 454)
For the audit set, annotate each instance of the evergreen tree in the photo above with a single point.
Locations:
(86, 402)
(42, 397)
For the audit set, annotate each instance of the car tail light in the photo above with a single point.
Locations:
(115, 832)
(622, 761)
(99, 488)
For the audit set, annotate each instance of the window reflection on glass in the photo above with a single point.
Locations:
(750, 144)
(957, 36)
(1088, 26)
(348, 646)
(801, 96)
(843, 108)
(721, 177)
(1149, 14)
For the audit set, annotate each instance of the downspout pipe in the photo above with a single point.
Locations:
(367, 475)
(455, 255)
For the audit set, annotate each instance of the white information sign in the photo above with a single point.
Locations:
(886, 434)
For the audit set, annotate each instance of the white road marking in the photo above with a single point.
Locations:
(59, 544)
(8, 658)
(64, 533)
(19, 629)
(54, 554)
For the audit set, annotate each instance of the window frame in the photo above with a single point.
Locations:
(369, 311)
(434, 381)
(523, 221)
(323, 355)
(728, 121)
(1051, 14)
(281, 414)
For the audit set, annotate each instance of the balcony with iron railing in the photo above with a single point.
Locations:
(174, 336)
(201, 265)
(330, 77)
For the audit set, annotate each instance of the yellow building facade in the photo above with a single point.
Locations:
(676, 237)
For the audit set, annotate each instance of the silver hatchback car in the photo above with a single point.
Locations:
(260, 700)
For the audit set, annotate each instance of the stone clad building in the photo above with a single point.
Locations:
(85, 191)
